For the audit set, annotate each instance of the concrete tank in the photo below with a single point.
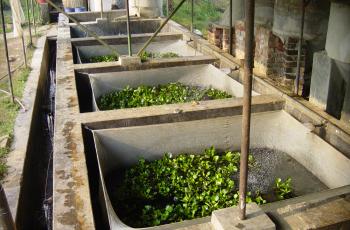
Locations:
(338, 35)
(287, 16)
(264, 12)
(338, 48)
(119, 148)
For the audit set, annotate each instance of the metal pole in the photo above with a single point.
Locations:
(231, 29)
(297, 77)
(24, 51)
(247, 99)
(6, 51)
(29, 26)
(101, 8)
(160, 28)
(128, 26)
(33, 13)
(192, 13)
(167, 8)
(92, 33)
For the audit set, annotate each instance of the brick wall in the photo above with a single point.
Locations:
(273, 56)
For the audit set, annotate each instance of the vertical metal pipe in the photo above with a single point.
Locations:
(29, 26)
(6, 51)
(33, 13)
(167, 8)
(101, 2)
(297, 77)
(192, 13)
(128, 26)
(231, 29)
(160, 28)
(24, 51)
(247, 98)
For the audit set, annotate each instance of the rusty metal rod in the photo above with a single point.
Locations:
(6, 50)
(192, 14)
(297, 77)
(92, 33)
(160, 28)
(24, 51)
(231, 29)
(29, 25)
(33, 13)
(247, 99)
(128, 26)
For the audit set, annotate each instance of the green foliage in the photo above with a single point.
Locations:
(177, 188)
(147, 55)
(3, 166)
(284, 189)
(205, 12)
(157, 95)
(104, 58)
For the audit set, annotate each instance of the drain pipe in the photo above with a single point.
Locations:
(304, 3)
(6, 50)
(160, 28)
(231, 30)
(247, 99)
(113, 50)
(128, 26)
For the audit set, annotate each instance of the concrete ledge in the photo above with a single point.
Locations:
(129, 60)
(227, 219)
(177, 112)
(104, 67)
(123, 39)
(329, 209)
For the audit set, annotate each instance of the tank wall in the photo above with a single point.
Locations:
(177, 46)
(276, 130)
(338, 36)
(201, 75)
(106, 28)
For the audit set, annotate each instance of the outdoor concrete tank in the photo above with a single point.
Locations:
(338, 49)
(287, 16)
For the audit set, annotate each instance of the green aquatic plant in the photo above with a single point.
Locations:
(147, 55)
(183, 187)
(157, 95)
(103, 58)
(284, 189)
